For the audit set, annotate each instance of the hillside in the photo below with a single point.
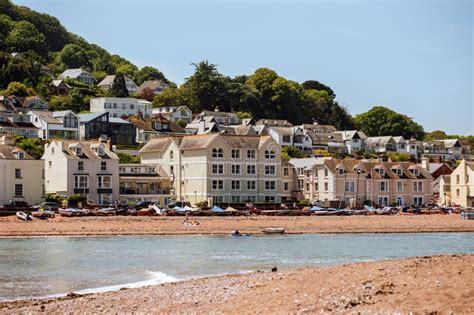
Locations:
(38, 41)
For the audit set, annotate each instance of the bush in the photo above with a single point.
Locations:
(304, 202)
(74, 200)
(54, 198)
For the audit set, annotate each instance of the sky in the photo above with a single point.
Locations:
(415, 57)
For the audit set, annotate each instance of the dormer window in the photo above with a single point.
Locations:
(399, 172)
(381, 171)
(416, 172)
(78, 151)
(20, 155)
(100, 150)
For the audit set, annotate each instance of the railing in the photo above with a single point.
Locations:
(143, 191)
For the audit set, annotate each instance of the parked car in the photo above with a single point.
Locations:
(16, 206)
(53, 206)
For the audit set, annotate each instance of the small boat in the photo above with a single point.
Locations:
(146, 212)
(43, 214)
(70, 212)
(106, 211)
(23, 216)
(273, 230)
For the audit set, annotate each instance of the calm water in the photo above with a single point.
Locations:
(53, 266)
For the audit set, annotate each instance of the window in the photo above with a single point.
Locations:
(399, 172)
(18, 190)
(350, 186)
(270, 185)
(80, 165)
(235, 185)
(217, 153)
(70, 121)
(326, 173)
(381, 172)
(124, 106)
(104, 182)
(78, 151)
(217, 185)
(286, 171)
(217, 169)
(269, 154)
(50, 164)
(418, 186)
(115, 105)
(52, 150)
(300, 184)
(383, 200)
(307, 186)
(287, 138)
(300, 170)
(316, 186)
(171, 155)
(399, 201)
(21, 155)
(17, 172)
(399, 186)
(251, 154)
(457, 179)
(132, 106)
(251, 198)
(251, 185)
(235, 169)
(269, 169)
(103, 166)
(326, 186)
(171, 169)
(81, 181)
(251, 169)
(286, 186)
(383, 186)
(235, 154)
(457, 192)
(270, 199)
(235, 199)
(416, 172)
(100, 150)
(418, 201)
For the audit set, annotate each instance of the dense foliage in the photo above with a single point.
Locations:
(127, 158)
(381, 121)
(32, 146)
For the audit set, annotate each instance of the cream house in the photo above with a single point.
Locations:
(462, 185)
(21, 176)
(357, 181)
(87, 168)
(226, 168)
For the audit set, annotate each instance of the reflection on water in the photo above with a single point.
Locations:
(49, 266)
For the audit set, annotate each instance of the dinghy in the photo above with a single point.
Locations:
(274, 230)
(23, 216)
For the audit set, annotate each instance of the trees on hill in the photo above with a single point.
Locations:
(119, 88)
(381, 121)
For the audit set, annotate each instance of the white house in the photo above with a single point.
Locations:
(17, 124)
(62, 124)
(174, 113)
(86, 168)
(21, 176)
(354, 140)
(381, 144)
(121, 106)
(79, 75)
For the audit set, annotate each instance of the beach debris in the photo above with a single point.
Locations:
(274, 269)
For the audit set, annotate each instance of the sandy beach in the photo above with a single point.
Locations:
(126, 225)
(440, 284)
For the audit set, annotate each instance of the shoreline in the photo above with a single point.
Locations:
(381, 286)
(167, 226)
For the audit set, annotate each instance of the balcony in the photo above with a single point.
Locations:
(143, 191)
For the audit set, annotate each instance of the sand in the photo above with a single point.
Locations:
(127, 225)
(440, 284)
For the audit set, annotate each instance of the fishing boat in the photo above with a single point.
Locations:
(70, 212)
(106, 211)
(23, 216)
(273, 230)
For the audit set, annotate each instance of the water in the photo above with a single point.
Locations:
(37, 267)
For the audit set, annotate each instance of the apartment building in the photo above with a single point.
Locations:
(460, 186)
(226, 168)
(121, 106)
(87, 168)
(21, 176)
(144, 182)
(356, 181)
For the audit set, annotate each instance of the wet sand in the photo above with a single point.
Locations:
(127, 225)
(440, 284)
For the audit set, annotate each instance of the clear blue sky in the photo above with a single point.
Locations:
(415, 57)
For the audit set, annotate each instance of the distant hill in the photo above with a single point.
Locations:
(33, 43)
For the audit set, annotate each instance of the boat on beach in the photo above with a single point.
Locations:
(71, 212)
(43, 214)
(273, 230)
(23, 216)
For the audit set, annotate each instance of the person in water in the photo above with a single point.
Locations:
(236, 232)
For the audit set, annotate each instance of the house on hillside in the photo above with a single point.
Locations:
(383, 144)
(119, 107)
(21, 104)
(107, 83)
(353, 139)
(156, 86)
(17, 124)
(174, 113)
(221, 118)
(60, 124)
(60, 87)
(156, 126)
(274, 123)
(79, 75)
(94, 125)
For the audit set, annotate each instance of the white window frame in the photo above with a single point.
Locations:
(270, 185)
(235, 185)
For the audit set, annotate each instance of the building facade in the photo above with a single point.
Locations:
(62, 124)
(86, 168)
(226, 168)
(118, 107)
(462, 185)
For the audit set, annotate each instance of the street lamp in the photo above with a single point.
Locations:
(342, 171)
(357, 188)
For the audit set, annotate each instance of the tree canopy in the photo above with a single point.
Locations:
(381, 121)
(119, 88)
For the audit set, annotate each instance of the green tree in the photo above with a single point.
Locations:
(6, 24)
(181, 123)
(74, 101)
(127, 69)
(172, 97)
(399, 157)
(289, 152)
(127, 158)
(73, 56)
(32, 146)
(243, 115)
(316, 85)
(381, 121)
(436, 135)
(19, 89)
(24, 37)
(148, 73)
(119, 88)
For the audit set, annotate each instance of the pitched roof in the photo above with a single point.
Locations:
(75, 73)
(47, 117)
(116, 120)
(318, 128)
(274, 123)
(378, 141)
(109, 80)
(57, 83)
(158, 144)
(153, 85)
(90, 116)
(87, 150)
(306, 163)
(350, 134)
(8, 152)
(285, 131)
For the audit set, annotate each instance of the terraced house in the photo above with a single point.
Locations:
(226, 168)
(355, 182)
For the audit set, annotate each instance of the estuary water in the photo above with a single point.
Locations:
(38, 267)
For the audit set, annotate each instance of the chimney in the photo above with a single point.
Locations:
(7, 140)
(425, 163)
(226, 121)
(201, 126)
